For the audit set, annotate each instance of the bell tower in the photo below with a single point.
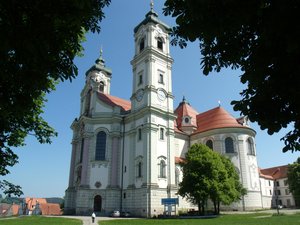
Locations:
(151, 65)
(97, 80)
(152, 112)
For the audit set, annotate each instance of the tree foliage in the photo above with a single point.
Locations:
(39, 41)
(208, 175)
(294, 180)
(259, 37)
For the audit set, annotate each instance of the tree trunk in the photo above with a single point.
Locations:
(199, 207)
(203, 207)
(215, 206)
(218, 207)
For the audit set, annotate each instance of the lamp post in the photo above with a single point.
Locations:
(276, 196)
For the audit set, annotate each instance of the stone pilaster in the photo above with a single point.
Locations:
(72, 164)
(115, 156)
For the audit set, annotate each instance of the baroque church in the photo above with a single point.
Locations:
(126, 154)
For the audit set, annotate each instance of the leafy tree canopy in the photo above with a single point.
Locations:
(259, 37)
(294, 180)
(208, 175)
(39, 41)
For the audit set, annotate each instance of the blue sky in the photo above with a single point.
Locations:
(43, 170)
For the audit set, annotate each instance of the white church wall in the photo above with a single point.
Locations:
(102, 107)
(181, 145)
(245, 164)
(99, 173)
(98, 127)
(139, 147)
(139, 104)
(130, 159)
(161, 146)
(162, 182)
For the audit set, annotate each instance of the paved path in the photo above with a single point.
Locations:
(87, 220)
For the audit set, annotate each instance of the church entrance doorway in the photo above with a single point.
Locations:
(97, 203)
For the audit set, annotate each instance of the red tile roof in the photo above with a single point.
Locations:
(216, 118)
(46, 208)
(264, 175)
(15, 209)
(31, 202)
(115, 101)
(185, 109)
(9, 209)
(179, 160)
(50, 209)
(278, 172)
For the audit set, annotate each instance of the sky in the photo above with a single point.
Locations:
(43, 170)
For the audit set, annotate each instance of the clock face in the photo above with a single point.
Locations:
(161, 94)
(139, 95)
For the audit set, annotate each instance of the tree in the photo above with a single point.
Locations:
(39, 41)
(208, 175)
(259, 37)
(294, 180)
(232, 188)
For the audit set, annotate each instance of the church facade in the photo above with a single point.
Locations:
(126, 154)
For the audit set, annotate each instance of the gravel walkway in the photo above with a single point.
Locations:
(87, 220)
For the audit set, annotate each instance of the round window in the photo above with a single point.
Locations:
(186, 120)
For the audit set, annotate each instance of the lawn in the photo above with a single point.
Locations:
(244, 219)
(39, 220)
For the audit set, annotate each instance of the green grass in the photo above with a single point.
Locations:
(39, 220)
(244, 219)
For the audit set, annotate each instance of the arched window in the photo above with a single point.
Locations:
(250, 147)
(177, 176)
(162, 169)
(140, 77)
(160, 43)
(162, 133)
(139, 169)
(229, 145)
(209, 144)
(78, 174)
(100, 146)
(101, 87)
(81, 150)
(142, 44)
(161, 78)
(139, 134)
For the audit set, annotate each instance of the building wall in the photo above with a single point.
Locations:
(245, 164)
(282, 194)
(267, 186)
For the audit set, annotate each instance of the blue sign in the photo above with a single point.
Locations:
(169, 201)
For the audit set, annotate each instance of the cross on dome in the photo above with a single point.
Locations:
(151, 5)
(100, 60)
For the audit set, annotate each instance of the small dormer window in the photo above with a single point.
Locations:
(101, 87)
(142, 44)
(160, 43)
(187, 120)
